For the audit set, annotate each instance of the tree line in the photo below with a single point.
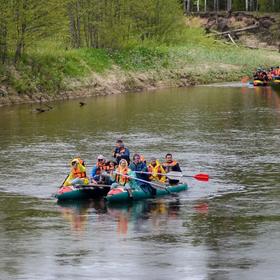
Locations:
(108, 24)
(233, 5)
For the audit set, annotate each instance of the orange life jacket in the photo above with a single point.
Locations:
(122, 179)
(100, 167)
(78, 174)
(168, 165)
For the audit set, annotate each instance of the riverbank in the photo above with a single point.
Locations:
(48, 74)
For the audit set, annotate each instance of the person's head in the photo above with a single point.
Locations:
(136, 158)
(153, 161)
(123, 163)
(168, 157)
(74, 163)
(101, 159)
(119, 143)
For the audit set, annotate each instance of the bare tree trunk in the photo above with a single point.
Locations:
(216, 5)
(229, 5)
(74, 24)
(21, 28)
(3, 42)
(187, 6)
(246, 5)
(197, 3)
(205, 6)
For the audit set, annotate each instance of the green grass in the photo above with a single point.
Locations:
(46, 67)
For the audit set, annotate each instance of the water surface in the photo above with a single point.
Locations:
(227, 228)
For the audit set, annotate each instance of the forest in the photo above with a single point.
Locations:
(107, 24)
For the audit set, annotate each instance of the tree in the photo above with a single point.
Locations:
(31, 20)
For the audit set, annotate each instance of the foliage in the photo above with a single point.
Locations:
(44, 42)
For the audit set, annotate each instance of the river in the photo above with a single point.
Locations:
(227, 228)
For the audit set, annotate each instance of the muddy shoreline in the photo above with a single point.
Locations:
(119, 82)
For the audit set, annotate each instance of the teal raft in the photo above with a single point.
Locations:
(119, 195)
(71, 193)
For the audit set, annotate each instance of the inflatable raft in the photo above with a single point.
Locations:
(82, 192)
(118, 195)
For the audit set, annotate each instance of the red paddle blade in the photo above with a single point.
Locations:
(201, 177)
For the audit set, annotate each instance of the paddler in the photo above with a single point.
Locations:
(157, 171)
(171, 165)
(122, 177)
(77, 174)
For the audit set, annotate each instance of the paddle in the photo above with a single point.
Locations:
(64, 181)
(175, 174)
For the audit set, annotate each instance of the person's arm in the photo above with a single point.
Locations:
(163, 178)
(115, 153)
(132, 166)
(126, 152)
(145, 176)
(177, 168)
(93, 171)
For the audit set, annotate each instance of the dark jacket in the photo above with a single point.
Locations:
(124, 154)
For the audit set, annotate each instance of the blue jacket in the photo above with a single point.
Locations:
(124, 154)
(93, 173)
(141, 166)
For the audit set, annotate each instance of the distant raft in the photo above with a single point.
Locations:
(119, 195)
(260, 83)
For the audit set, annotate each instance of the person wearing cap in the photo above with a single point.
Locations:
(99, 167)
(157, 171)
(121, 152)
(171, 165)
(77, 174)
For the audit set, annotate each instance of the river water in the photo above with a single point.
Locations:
(227, 228)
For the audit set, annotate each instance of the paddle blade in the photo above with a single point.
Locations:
(201, 177)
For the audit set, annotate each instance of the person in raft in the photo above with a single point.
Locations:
(157, 171)
(123, 177)
(121, 152)
(171, 165)
(77, 174)
(139, 165)
(98, 168)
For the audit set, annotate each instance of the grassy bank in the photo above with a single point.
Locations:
(50, 71)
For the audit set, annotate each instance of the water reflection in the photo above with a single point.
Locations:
(225, 229)
(78, 212)
(130, 216)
